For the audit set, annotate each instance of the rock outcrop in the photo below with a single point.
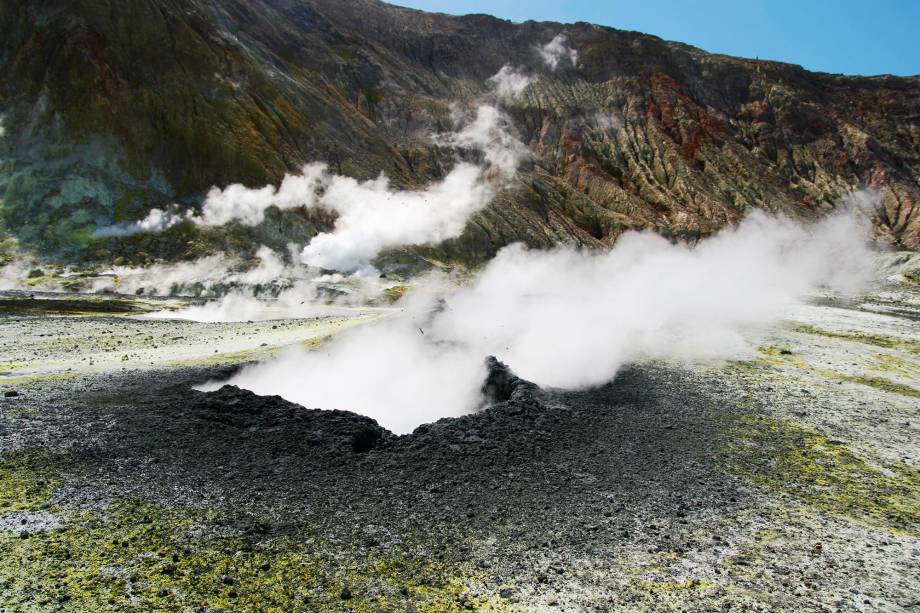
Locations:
(112, 108)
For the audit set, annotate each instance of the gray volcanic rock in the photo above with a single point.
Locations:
(113, 108)
(786, 481)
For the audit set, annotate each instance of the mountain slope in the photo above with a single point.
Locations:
(112, 108)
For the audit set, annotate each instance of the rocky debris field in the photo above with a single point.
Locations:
(788, 481)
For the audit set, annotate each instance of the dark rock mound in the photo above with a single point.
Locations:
(241, 409)
(502, 384)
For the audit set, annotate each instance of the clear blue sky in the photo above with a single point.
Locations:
(847, 36)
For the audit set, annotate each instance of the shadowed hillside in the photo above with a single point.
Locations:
(112, 108)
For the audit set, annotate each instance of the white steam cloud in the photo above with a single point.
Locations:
(157, 220)
(371, 216)
(247, 206)
(509, 83)
(286, 286)
(571, 319)
(557, 50)
(608, 121)
(488, 133)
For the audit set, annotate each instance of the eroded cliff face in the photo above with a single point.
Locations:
(111, 108)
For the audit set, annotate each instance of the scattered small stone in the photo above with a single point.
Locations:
(370, 541)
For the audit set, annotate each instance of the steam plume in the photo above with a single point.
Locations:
(371, 215)
(157, 220)
(571, 319)
(557, 50)
(509, 83)
(247, 206)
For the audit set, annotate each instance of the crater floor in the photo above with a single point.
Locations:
(788, 481)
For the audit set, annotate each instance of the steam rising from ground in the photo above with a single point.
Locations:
(509, 82)
(247, 206)
(268, 287)
(571, 319)
(371, 216)
(557, 50)
(157, 220)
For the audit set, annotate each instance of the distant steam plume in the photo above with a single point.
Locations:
(509, 82)
(556, 51)
(247, 206)
(157, 220)
(371, 216)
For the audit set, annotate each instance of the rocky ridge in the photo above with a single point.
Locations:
(110, 109)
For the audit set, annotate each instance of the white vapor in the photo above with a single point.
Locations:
(509, 83)
(273, 286)
(488, 133)
(608, 121)
(556, 50)
(247, 206)
(572, 319)
(372, 217)
(157, 220)
(207, 276)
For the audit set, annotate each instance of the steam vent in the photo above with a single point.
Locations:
(338, 305)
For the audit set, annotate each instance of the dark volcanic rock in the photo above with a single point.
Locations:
(502, 385)
(239, 410)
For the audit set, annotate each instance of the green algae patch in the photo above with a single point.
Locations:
(776, 357)
(879, 383)
(688, 585)
(878, 340)
(788, 458)
(143, 557)
(897, 365)
(26, 481)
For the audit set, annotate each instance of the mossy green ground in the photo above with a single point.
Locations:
(879, 340)
(138, 556)
(776, 356)
(789, 458)
(25, 482)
